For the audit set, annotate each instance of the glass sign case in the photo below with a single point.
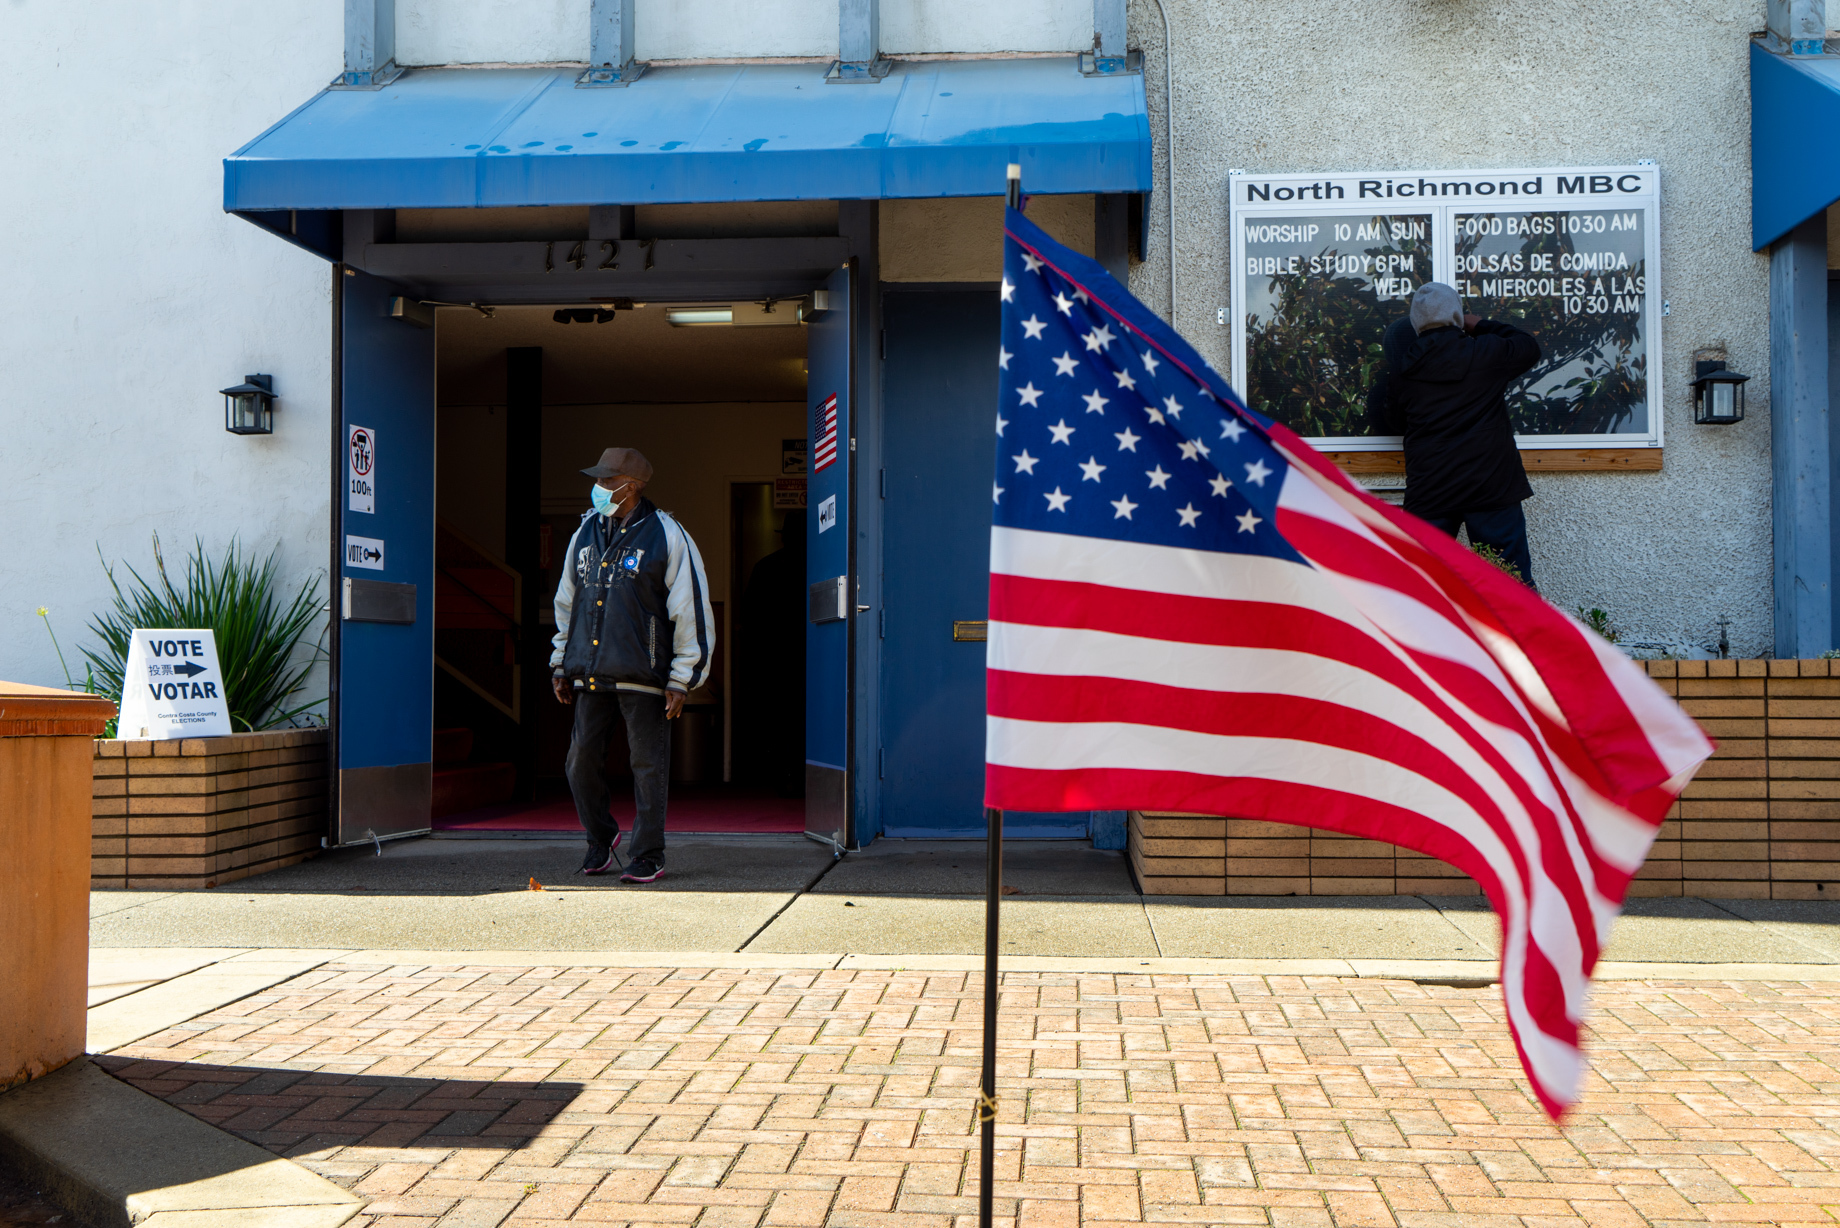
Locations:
(1322, 265)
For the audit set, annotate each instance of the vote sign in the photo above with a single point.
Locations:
(172, 687)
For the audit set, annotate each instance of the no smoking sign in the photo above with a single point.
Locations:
(360, 462)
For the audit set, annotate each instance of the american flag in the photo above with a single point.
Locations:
(824, 433)
(1192, 610)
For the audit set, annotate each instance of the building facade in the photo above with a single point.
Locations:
(480, 255)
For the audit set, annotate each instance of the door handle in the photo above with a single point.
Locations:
(378, 601)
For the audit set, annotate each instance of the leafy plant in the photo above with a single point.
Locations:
(1599, 621)
(236, 598)
(89, 677)
(89, 674)
(1493, 556)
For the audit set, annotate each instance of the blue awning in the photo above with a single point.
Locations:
(1795, 160)
(444, 138)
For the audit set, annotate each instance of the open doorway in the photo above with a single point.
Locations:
(715, 396)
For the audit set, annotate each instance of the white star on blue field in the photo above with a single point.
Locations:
(1100, 435)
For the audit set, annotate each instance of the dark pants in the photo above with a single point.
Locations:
(648, 739)
(1505, 529)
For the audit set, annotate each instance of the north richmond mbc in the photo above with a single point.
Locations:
(1385, 189)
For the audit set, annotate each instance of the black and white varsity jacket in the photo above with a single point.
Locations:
(632, 610)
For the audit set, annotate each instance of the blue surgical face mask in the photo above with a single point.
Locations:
(606, 501)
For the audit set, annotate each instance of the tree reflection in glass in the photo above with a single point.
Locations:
(1319, 293)
(1577, 281)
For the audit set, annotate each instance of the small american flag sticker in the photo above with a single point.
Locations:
(824, 434)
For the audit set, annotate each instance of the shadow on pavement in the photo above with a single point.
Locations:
(293, 1112)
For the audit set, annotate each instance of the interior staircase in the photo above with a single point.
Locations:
(475, 638)
(461, 784)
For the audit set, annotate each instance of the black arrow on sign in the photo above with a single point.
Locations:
(190, 669)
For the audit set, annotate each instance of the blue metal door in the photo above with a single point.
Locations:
(939, 396)
(383, 659)
(830, 560)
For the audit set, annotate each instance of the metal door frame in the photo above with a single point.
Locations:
(335, 558)
(403, 782)
(367, 250)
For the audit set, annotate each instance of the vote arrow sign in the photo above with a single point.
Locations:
(162, 695)
(365, 552)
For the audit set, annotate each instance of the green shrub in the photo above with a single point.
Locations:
(1493, 556)
(1599, 621)
(235, 597)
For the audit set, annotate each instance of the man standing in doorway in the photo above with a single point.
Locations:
(634, 635)
(1442, 388)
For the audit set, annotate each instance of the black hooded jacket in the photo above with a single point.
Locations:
(1442, 390)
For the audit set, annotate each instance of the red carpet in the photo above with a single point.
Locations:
(705, 810)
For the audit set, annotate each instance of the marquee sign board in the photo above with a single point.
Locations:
(172, 687)
(1322, 264)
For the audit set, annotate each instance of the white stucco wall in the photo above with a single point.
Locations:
(716, 29)
(1402, 84)
(545, 31)
(491, 31)
(132, 298)
(936, 27)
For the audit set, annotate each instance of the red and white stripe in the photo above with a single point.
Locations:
(824, 437)
(1395, 687)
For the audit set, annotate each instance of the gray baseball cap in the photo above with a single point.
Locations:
(622, 463)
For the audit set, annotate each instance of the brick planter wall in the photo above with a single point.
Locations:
(1200, 855)
(200, 812)
(1761, 820)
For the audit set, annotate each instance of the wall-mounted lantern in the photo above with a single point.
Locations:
(1718, 394)
(249, 407)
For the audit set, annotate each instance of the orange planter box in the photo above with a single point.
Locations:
(46, 740)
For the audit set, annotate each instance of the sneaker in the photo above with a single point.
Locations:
(600, 857)
(642, 870)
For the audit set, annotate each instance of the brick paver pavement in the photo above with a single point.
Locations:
(728, 1098)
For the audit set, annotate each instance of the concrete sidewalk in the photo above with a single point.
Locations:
(787, 895)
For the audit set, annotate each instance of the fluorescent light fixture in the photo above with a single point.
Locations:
(768, 314)
(699, 317)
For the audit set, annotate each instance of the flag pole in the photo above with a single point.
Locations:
(993, 895)
(987, 1098)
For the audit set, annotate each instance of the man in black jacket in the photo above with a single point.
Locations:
(634, 634)
(1442, 388)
